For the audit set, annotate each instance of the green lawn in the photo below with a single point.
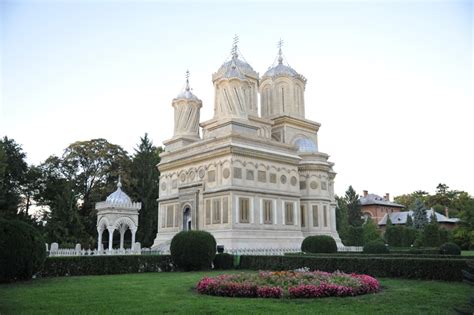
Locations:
(161, 293)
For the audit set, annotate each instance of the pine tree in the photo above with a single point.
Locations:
(145, 178)
(419, 215)
(389, 221)
(353, 207)
(409, 222)
(342, 221)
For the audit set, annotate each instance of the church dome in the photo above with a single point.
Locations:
(235, 67)
(281, 69)
(186, 94)
(306, 145)
(118, 196)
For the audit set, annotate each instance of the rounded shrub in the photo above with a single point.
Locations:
(450, 249)
(193, 250)
(319, 244)
(375, 247)
(224, 261)
(22, 251)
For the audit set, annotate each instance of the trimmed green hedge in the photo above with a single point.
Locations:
(193, 250)
(224, 261)
(319, 244)
(410, 268)
(105, 265)
(387, 255)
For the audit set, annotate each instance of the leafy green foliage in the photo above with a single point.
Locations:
(355, 236)
(353, 207)
(319, 244)
(375, 247)
(419, 215)
(342, 218)
(430, 236)
(223, 261)
(371, 231)
(193, 250)
(145, 181)
(105, 265)
(13, 169)
(22, 251)
(400, 236)
(409, 222)
(450, 249)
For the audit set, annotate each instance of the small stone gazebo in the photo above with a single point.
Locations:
(117, 212)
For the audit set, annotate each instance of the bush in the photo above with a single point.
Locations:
(319, 244)
(430, 235)
(355, 236)
(375, 247)
(371, 231)
(22, 251)
(224, 261)
(409, 236)
(450, 249)
(193, 250)
(409, 268)
(105, 265)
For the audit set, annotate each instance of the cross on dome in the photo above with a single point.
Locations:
(235, 55)
(280, 54)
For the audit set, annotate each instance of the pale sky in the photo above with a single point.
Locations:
(391, 82)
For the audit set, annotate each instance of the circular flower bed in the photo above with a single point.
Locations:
(292, 284)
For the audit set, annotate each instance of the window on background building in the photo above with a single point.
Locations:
(244, 210)
(315, 215)
(237, 172)
(303, 216)
(325, 214)
(211, 176)
(216, 211)
(169, 215)
(225, 210)
(249, 175)
(208, 211)
(267, 212)
(289, 213)
(273, 178)
(262, 176)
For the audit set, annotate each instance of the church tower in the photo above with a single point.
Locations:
(282, 90)
(186, 118)
(236, 87)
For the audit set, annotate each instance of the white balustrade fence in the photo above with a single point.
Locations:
(54, 250)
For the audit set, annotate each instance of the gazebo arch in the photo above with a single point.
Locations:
(117, 212)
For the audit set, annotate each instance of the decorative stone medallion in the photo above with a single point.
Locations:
(183, 177)
(163, 186)
(192, 175)
(283, 179)
(293, 181)
(313, 185)
(202, 173)
(226, 173)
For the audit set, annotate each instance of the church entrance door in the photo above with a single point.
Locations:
(187, 218)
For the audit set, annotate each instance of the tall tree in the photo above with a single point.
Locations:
(13, 168)
(353, 207)
(342, 218)
(85, 174)
(419, 215)
(94, 166)
(145, 182)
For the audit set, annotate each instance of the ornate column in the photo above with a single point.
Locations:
(99, 242)
(111, 236)
(133, 238)
(122, 234)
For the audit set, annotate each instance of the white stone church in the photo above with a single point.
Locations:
(254, 178)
